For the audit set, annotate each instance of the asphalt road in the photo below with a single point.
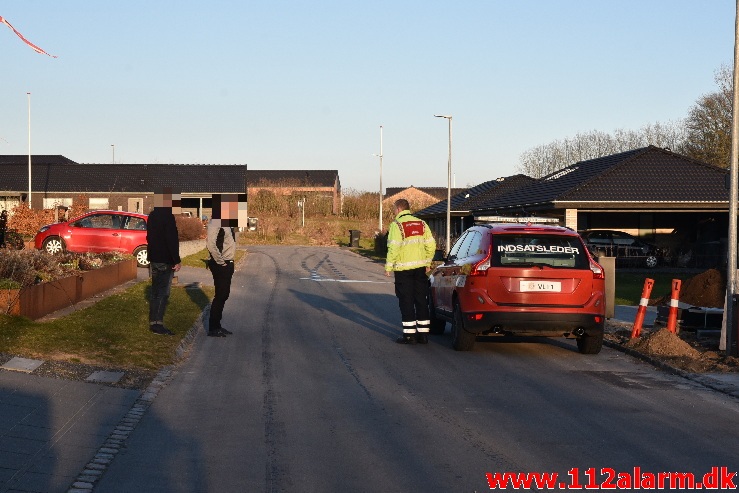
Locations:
(311, 394)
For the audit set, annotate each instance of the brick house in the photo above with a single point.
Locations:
(298, 183)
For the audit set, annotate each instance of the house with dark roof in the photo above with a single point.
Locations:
(59, 181)
(646, 189)
(663, 197)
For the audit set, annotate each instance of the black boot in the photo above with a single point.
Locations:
(422, 337)
(406, 339)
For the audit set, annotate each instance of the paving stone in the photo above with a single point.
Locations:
(105, 376)
(25, 365)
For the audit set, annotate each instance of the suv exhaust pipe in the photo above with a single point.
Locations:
(579, 332)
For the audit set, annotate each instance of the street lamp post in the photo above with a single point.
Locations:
(379, 227)
(113, 146)
(730, 340)
(448, 187)
(29, 150)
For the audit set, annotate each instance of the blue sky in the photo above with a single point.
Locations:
(306, 84)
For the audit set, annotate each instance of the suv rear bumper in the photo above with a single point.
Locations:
(533, 323)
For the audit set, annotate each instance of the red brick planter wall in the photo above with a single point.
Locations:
(36, 301)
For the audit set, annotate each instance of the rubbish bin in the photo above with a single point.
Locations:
(252, 223)
(381, 243)
(354, 238)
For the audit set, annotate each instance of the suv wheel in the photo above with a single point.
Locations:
(651, 261)
(590, 344)
(461, 339)
(438, 325)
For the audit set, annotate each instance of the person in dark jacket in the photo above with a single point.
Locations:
(163, 254)
(3, 227)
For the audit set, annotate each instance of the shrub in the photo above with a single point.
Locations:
(189, 228)
(27, 267)
(28, 221)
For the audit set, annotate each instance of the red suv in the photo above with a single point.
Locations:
(519, 279)
(98, 231)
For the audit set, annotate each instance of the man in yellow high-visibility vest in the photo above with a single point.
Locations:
(410, 249)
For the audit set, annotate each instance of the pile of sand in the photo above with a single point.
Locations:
(664, 343)
(707, 289)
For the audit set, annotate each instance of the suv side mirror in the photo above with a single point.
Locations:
(439, 256)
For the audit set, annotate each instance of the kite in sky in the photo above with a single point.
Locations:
(35, 48)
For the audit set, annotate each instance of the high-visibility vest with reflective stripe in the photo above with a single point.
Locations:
(410, 244)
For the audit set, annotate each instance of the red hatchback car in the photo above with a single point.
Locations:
(98, 231)
(519, 279)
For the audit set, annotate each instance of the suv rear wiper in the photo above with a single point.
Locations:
(523, 264)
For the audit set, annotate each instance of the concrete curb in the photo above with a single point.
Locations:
(706, 381)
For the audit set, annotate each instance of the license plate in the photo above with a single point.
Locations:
(539, 286)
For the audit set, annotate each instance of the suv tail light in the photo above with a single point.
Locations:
(481, 267)
(598, 272)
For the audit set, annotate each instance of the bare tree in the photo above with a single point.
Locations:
(708, 125)
(548, 158)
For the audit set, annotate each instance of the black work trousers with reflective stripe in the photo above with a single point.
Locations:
(412, 290)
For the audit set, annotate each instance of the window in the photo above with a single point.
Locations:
(136, 223)
(53, 202)
(97, 203)
(455, 249)
(600, 237)
(99, 221)
(622, 238)
(471, 245)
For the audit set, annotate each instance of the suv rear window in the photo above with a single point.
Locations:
(516, 250)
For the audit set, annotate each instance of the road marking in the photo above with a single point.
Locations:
(326, 279)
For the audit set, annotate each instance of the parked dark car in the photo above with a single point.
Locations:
(98, 231)
(627, 249)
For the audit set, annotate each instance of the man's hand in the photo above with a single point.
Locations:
(176, 267)
(387, 273)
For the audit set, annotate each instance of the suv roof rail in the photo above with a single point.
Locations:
(524, 220)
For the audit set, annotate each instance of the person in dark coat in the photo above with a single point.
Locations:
(3, 227)
(163, 253)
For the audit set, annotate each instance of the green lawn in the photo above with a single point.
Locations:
(199, 259)
(629, 285)
(114, 331)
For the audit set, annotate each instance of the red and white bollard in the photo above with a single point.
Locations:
(674, 299)
(642, 310)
